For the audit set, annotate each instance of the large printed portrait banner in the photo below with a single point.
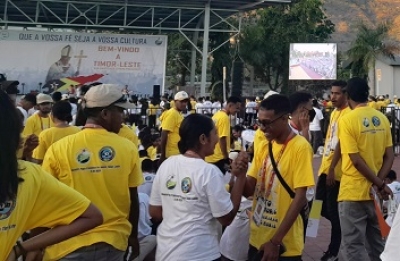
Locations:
(54, 61)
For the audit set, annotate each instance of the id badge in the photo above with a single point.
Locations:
(258, 211)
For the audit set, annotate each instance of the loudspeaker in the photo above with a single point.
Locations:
(156, 92)
(237, 78)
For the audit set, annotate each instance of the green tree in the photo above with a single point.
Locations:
(221, 58)
(179, 59)
(266, 44)
(371, 43)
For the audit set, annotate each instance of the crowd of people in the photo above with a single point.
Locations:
(98, 175)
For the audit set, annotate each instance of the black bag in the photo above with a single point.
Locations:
(305, 211)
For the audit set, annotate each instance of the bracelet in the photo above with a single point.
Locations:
(21, 248)
(277, 245)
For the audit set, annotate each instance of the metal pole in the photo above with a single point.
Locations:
(224, 84)
(194, 55)
(205, 49)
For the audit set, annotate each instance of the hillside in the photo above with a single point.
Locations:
(346, 14)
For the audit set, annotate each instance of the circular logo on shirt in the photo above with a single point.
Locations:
(148, 178)
(83, 156)
(106, 153)
(171, 182)
(6, 209)
(376, 121)
(366, 122)
(186, 185)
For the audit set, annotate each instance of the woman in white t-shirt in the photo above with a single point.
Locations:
(189, 196)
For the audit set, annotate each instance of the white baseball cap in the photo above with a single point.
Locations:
(43, 98)
(181, 96)
(269, 94)
(104, 95)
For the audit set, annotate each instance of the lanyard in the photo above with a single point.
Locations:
(41, 122)
(268, 187)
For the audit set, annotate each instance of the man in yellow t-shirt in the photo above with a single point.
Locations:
(276, 225)
(367, 157)
(129, 132)
(105, 168)
(220, 158)
(41, 120)
(330, 170)
(170, 124)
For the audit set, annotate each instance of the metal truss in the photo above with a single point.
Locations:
(188, 17)
(111, 16)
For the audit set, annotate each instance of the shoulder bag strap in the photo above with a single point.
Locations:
(278, 174)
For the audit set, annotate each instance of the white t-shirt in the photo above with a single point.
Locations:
(74, 108)
(315, 125)
(144, 225)
(192, 195)
(148, 183)
(199, 108)
(216, 107)
(251, 107)
(207, 107)
(24, 112)
(234, 242)
(395, 187)
(391, 252)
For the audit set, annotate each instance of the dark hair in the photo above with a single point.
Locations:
(147, 165)
(238, 128)
(342, 84)
(233, 99)
(56, 96)
(192, 127)
(80, 119)
(298, 98)
(9, 143)
(279, 103)
(143, 154)
(357, 89)
(62, 111)
(392, 175)
(315, 103)
(30, 97)
(146, 141)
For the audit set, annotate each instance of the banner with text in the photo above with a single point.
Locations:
(53, 61)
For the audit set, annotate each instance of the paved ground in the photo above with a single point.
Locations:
(316, 246)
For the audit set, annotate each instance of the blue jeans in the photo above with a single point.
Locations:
(95, 252)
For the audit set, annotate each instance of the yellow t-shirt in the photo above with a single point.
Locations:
(102, 166)
(36, 124)
(295, 165)
(152, 152)
(259, 138)
(49, 136)
(129, 132)
(193, 110)
(152, 110)
(171, 122)
(20, 151)
(380, 105)
(373, 105)
(223, 126)
(41, 201)
(172, 104)
(367, 132)
(331, 141)
(387, 102)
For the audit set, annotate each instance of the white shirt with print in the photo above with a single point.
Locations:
(192, 195)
